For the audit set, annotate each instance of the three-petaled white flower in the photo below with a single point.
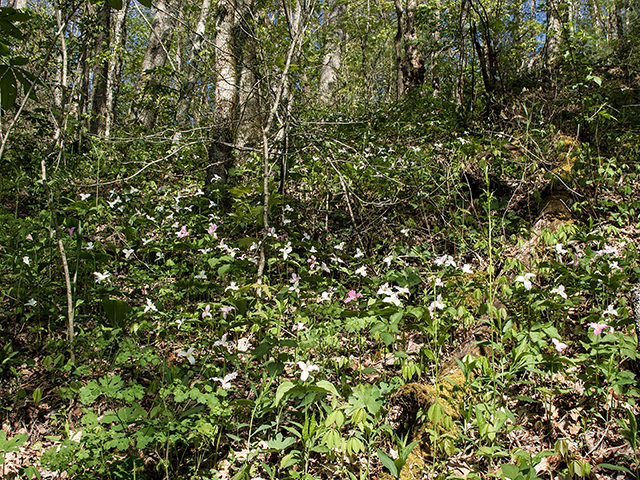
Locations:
(150, 306)
(31, 303)
(286, 250)
(189, 354)
(610, 311)
(226, 381)
(207, 312)
(385, 290)
(232, 286)
(466, 268)
(358, 253)
(388, 260)
(127, 252)
(201, 276)
(560, 291)
(560, 248)
(26, 260)
(101, 277)
(222, 342)
(362, 271)
(526, 280)
(306, 370)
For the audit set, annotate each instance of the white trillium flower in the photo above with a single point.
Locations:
(358, 253)
(560, 291)
(306, 370)
(226, 381)
(385, 290)
(127, 252)
(610, 311)
(232, 286)
(26, 260)
(466, 268)
(100, 277)
(189, 354)
(222, 342)
(150, 306)
(560, 248)
(526, 280)
(31, 303)
(362, 271)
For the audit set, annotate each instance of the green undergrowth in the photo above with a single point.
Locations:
(380, 259)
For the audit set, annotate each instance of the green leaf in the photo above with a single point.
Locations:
(146, 3)
(283, 389)
(325, 386)
(615, 467)
(388, 462)
(116, 311)
(8, 87)
(115, 4)
(511, 471)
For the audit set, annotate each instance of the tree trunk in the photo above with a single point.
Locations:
(333, 53)
(115, 62)
(554, 31)
(101, 71)
(17, 4)
(155, 57)
(60, 90)
(220, 149)
(188, 85)
(410, 66)
(249, 118)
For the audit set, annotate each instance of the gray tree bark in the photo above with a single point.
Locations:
(333, 53)
(410, 65)
(188, 85)
(220, 149)
(101, 71)
(249, 117)
(115, 63)
(554, 31)
(155, 57)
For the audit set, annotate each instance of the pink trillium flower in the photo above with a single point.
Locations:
(207, 312)
(183, 232)
(226, 310)
(598, 327)
(558, 344)
(352, 295)
(212, 230)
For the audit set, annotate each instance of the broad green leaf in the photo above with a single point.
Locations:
(387, 462)
(115, 4)
(283, 389)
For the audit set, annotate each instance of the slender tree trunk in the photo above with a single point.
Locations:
(333, 53)
(463, 52)
(249, 118)
(220, 149)
(188, 85)
(155, 57)
(410, 66)
(101, 71)
(17, 3)
(115, 62)
(60, 89)
(554, 31)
